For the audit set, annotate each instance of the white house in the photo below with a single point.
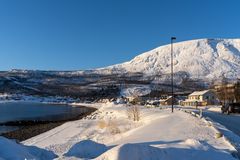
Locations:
(201, 98)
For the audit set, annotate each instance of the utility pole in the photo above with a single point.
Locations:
(172, 38)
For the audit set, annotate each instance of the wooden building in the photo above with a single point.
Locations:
(201, 98)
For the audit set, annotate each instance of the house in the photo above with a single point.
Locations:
(200, 98)
(131, 98)
(167, 100)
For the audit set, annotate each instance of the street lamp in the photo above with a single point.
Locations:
(172, 38)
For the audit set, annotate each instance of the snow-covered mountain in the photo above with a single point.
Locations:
(200, 59)
(197, 64)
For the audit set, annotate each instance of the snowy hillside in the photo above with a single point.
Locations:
(203, 58)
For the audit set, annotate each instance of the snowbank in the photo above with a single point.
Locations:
(132, 151)
(189, 149)
(11, 150)
(86, 149)
(215, 109)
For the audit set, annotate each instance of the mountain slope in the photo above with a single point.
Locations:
(203, 58)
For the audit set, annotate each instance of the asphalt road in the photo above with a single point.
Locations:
(231, 122)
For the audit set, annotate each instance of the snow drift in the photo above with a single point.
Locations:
(86, 149)
(132, 151)
(188, 149)
(13, 151)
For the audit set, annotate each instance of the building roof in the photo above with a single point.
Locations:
(165, 99)
(198, 93)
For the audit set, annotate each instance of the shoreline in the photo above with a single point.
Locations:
(33, 128)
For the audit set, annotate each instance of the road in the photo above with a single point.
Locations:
(231, 122)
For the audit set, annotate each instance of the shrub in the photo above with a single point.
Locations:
(113, 128)
(102, 124)
(133, 113)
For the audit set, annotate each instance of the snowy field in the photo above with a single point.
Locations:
(108, 134)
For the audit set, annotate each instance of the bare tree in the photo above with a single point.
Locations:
(237, 91)
(133, 112)
(227, 92)
(222, 90)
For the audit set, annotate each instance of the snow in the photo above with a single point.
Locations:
(227, 125)
(109, 134)
(189, 149)
(86, 149)
(135, 91)
(13, 151)
(132, 151)
(197, 93)
(198, 58)
(215, 109)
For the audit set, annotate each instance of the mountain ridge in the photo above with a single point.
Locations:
(200, 58)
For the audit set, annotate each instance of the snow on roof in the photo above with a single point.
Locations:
(165, 99)
(198, 93)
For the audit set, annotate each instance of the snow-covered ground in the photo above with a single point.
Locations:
(214, 109)
(10, 150)
(108, 134)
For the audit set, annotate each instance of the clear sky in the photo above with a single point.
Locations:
(85, 34)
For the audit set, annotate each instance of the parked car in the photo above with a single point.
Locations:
(231, 108)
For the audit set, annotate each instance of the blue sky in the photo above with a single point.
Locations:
(85, 34)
